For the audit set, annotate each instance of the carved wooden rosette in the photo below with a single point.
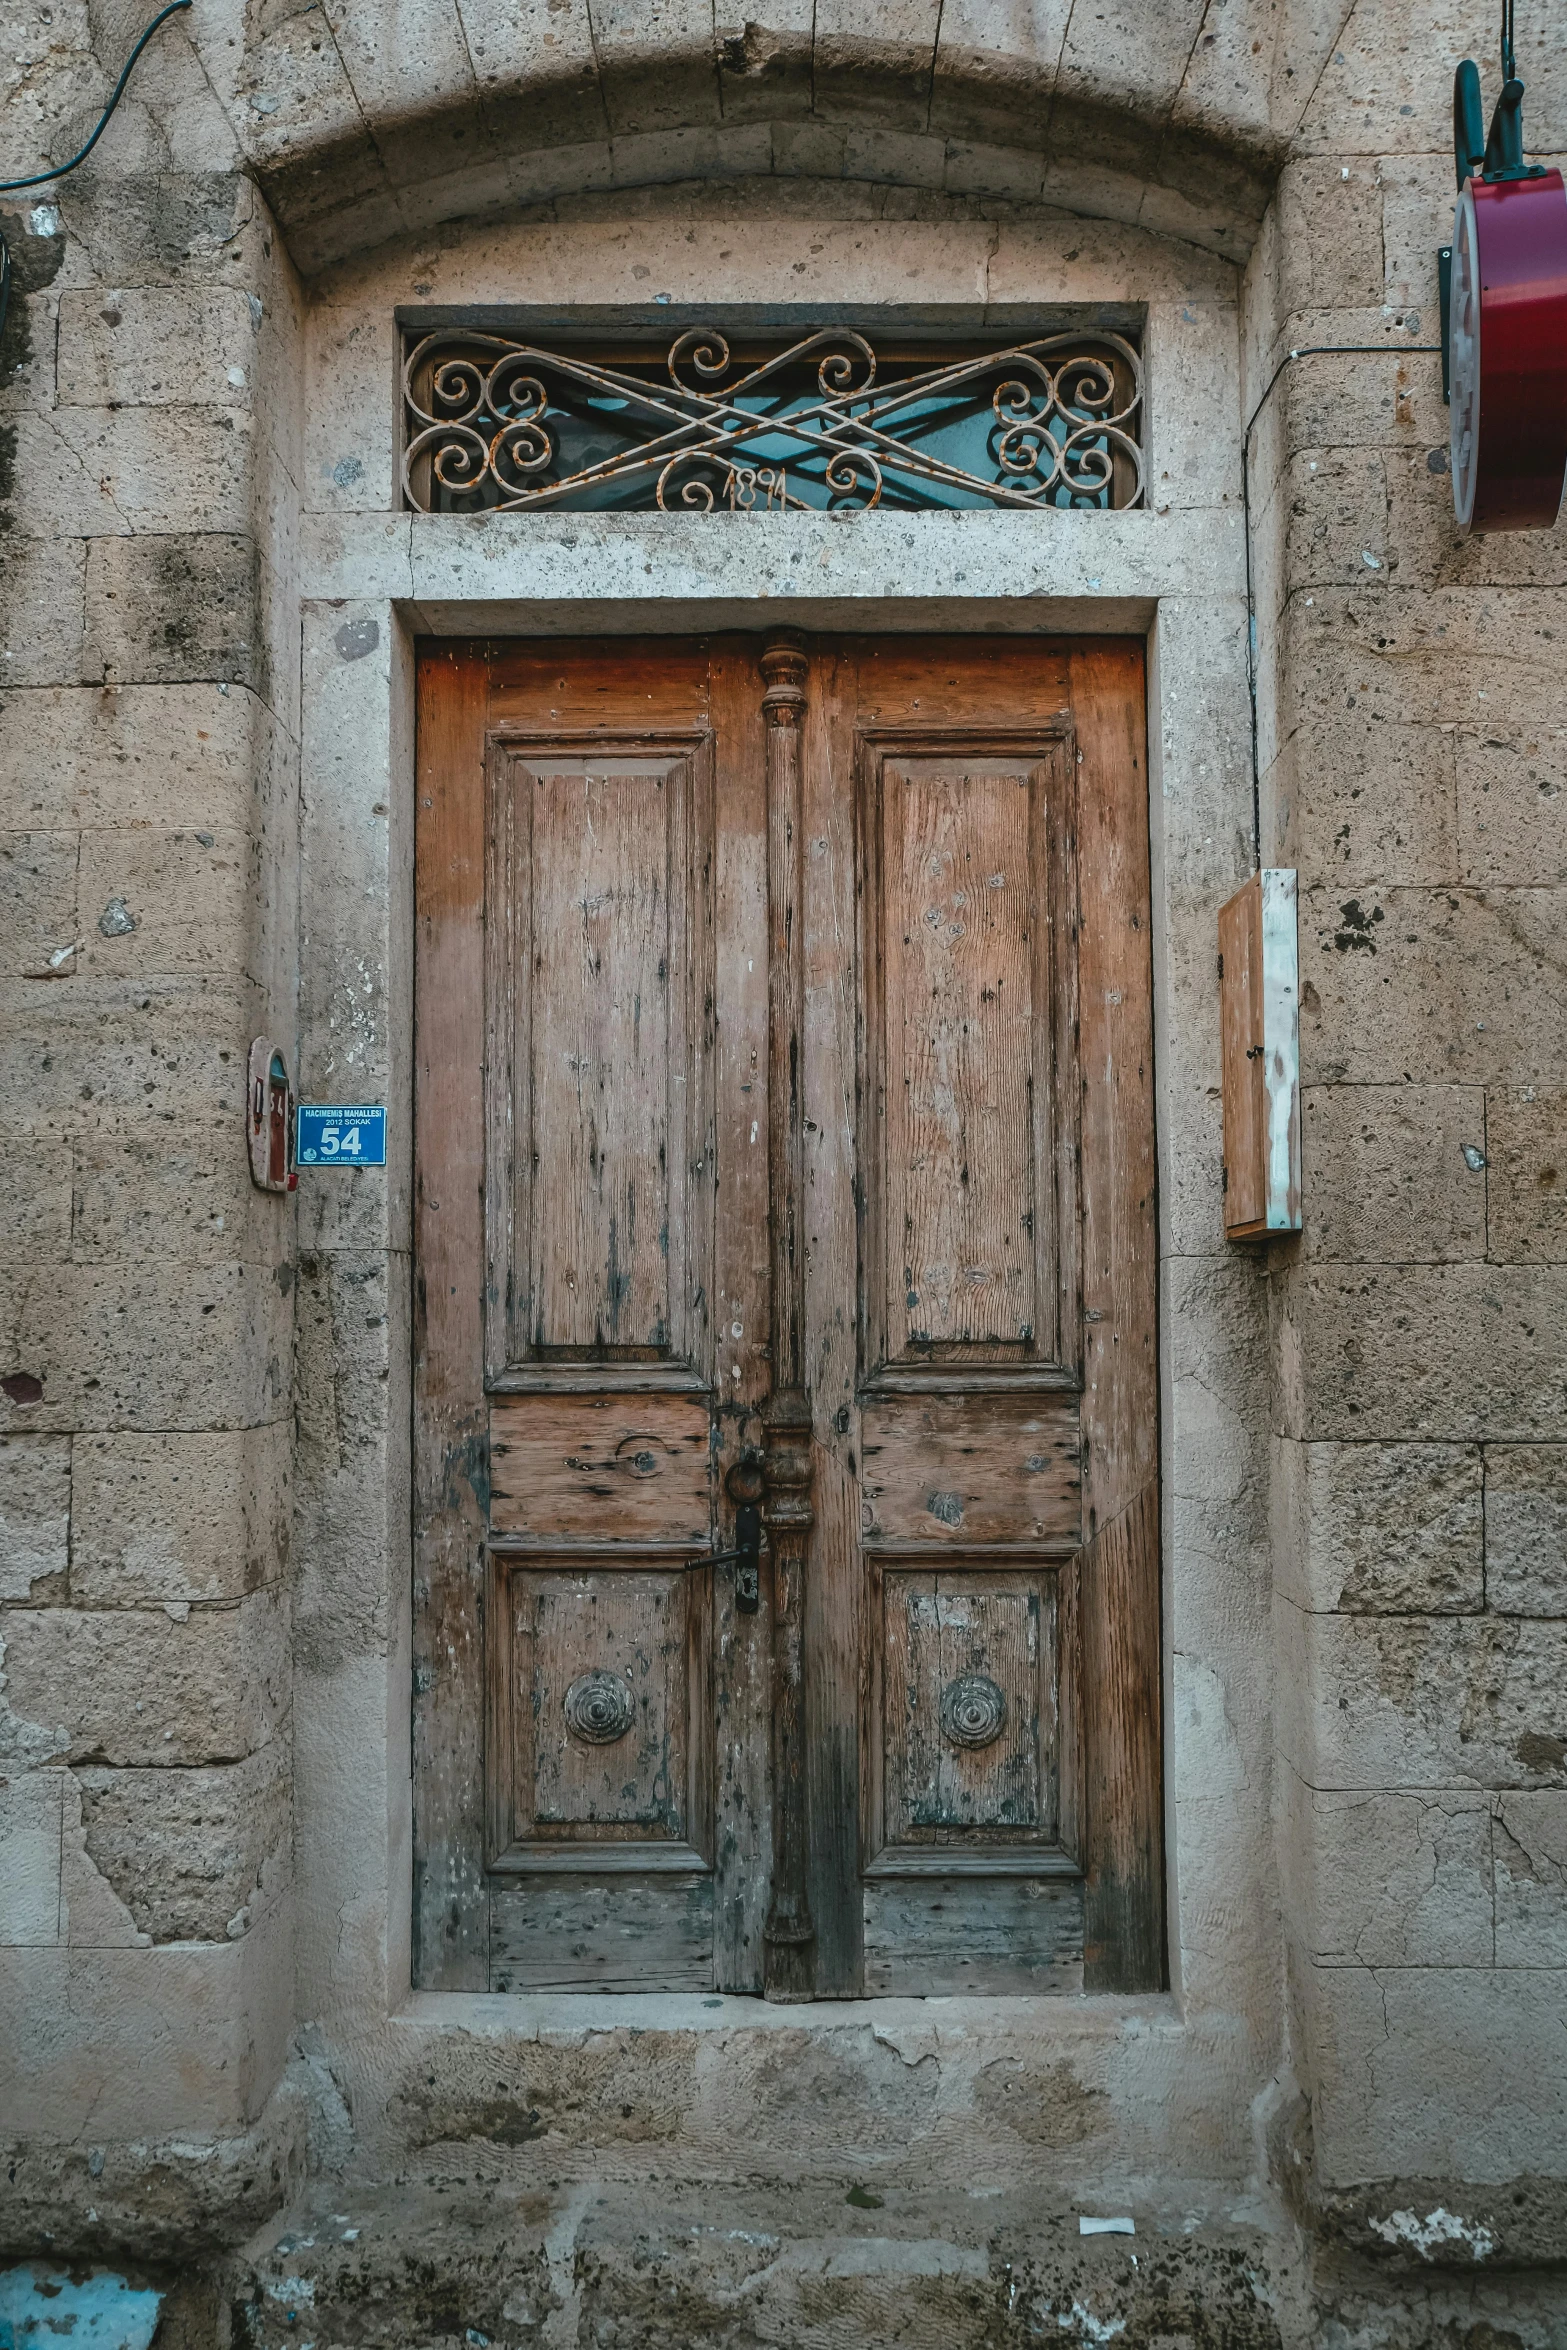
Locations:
(790, 1934)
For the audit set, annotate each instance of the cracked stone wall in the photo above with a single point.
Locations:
(205, 602)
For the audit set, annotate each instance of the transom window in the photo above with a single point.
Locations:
(825, 421)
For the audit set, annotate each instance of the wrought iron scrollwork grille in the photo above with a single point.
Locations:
(823, 422)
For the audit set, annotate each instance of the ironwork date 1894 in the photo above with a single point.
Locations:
(825, 422)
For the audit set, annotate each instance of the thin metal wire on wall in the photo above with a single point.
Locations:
(57, 171)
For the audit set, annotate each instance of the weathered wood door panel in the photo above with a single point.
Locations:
(785, 1117)
(599, 908)
(576, 1407)
(967, 871)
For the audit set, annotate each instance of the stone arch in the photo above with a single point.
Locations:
(367, 122)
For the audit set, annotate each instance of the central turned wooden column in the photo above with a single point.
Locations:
(790, 1972)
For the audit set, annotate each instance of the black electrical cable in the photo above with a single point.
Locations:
(38, 178)
(1304, 351)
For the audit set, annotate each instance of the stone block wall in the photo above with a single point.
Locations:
(203, 1391)
(1413, 741)
(149, 428)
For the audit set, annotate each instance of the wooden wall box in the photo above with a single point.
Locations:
(1259, 1023)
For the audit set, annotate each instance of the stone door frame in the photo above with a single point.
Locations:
(393, 625)
(371, 582)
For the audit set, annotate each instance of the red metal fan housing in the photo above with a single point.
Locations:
(1508, 347)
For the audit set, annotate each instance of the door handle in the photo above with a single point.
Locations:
(743, 1485)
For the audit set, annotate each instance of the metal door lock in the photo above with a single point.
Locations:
(745, 1558)
(743, 1485)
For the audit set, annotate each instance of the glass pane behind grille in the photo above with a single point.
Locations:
(824, 422)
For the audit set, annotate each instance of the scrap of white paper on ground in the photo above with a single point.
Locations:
(1105, 2227)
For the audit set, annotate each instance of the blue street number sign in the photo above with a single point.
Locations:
(339, 1135)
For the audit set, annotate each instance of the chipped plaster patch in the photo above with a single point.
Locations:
(297, 2290)
(1211, 1764)
(1088, 2327)
(560, 2255)
(1438, 2227)
(24, 1745)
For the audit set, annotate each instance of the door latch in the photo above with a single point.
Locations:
(745, 1558)
(744, 1488)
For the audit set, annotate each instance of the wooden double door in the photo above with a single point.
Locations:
(786, 1519)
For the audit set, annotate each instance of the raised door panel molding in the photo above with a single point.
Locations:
(960, 1472)
(600, 1469)
(600, 1007)
(614, 1934)
(969, 1706)
(938, 1937)
(969, 1150)
(599, 1701)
